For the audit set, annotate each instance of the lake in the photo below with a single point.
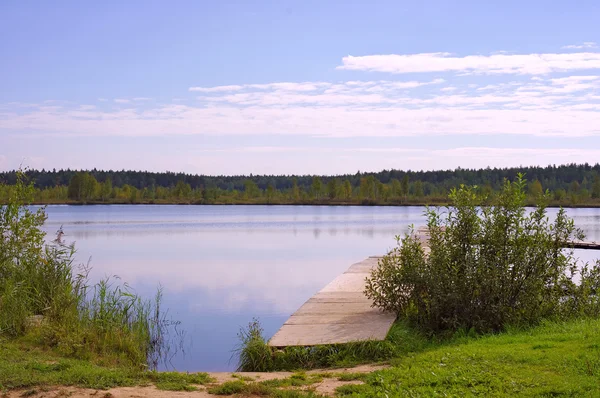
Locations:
(220, 266)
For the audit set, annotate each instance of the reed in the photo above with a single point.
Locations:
(45, 295)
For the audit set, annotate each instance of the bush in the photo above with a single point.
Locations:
(490, 263)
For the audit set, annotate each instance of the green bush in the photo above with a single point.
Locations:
(490, 263)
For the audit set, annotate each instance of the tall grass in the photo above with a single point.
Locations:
(254, 354)
(45, 295)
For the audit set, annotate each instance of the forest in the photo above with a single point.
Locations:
(567, 185)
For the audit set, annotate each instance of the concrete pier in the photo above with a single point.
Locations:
(339, 313)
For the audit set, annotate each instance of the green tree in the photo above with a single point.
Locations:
(535, 189)
(270, 193)
(368, 188)
(82, 187)
(106, 189)
(210, 194)
(316, 187)
(396, 188)
(332, 188)
(596, 187)
(133, 195)
(418, 188)
(251, 190)
(182, 190)
(347, 189)
(295, 192)
(560, 194)
(574, 187)
(405, 185)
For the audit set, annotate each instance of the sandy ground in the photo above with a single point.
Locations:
(327, 386)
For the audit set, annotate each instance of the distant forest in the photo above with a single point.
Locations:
(569, 185)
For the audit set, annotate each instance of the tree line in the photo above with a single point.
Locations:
(570, 185)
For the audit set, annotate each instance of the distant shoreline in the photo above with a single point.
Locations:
(320, 204)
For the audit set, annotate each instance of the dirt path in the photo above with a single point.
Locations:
(327, 386)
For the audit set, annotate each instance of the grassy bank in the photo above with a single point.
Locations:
(27, 364)
(554, 359)
(42, 288)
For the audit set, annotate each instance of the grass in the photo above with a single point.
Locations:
(256, 355)
(242, 377)
(280, 388)
(25, 366)
(554, 359)
(352, 376)
(299, 379)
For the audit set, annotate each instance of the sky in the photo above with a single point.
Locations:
(298, 87)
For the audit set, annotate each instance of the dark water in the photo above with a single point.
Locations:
(220, 266)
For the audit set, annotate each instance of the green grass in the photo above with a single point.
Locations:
(242, 377)
(256, 355)
(554, 359)
(271, 388)
(299, 379)
(24, 366)
(352, 376)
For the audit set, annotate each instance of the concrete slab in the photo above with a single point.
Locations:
(339, 313)
(350, 282)
(331, 333)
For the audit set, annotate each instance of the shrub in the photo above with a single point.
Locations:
(490, 263)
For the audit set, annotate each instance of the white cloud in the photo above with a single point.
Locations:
(573, 79)
(439, 116)
(315, 86)
(217, 89)
(586, 44)
(289, 86)
(484, 152)
(533, 64)
(286, 86)
(490, 152)
(555, 105)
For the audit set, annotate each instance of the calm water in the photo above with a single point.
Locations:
(220, 266)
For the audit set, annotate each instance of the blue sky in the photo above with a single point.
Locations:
(298, 86)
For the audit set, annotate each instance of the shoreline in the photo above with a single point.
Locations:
(316, 204)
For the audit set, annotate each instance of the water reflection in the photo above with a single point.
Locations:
(222, 265)
(74, 233)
